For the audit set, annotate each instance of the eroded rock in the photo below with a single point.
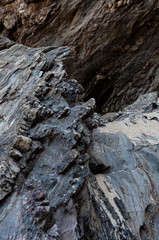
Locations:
(22, 143)
(132, 139)
(14, 153)
(98, 160)
(8, 173)
(51, 190)
(116, 52)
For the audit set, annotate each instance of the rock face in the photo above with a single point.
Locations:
(115, 42)
(45, 132)
(131, 144)
(66, 173)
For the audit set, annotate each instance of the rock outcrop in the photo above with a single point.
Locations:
(45, 133)
(130, 143)
(66, 173)
(115, 42)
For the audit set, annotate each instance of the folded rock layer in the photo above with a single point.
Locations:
(66, 174)
(115, 43)
(46, 189)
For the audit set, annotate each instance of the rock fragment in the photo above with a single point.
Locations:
(22, 143)
(99, 161)
(14, 153)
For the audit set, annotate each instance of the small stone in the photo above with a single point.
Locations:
(33, 114)
(14, 168)
(15, 154)
(22, 143)
(99, 160)
(111, 116)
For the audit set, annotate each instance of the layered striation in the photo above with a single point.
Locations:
(115, 43)
(128, 147)
(66, 172)
(46, 189)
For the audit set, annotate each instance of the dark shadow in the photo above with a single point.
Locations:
(1, 27)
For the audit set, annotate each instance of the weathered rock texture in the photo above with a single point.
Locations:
(131, 145)
(115, 42)
(46, 188)
(65, 175)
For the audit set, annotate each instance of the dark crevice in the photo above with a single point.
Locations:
(1, 27)
(103, 100)
(102, 92)
(143, 234)
(12, 33)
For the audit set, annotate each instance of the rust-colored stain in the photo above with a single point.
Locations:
(154, 191)
(123, 190)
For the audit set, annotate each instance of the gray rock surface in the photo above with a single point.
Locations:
(64, 173)
(133, 141)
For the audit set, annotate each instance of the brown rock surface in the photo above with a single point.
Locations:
(115, 42)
